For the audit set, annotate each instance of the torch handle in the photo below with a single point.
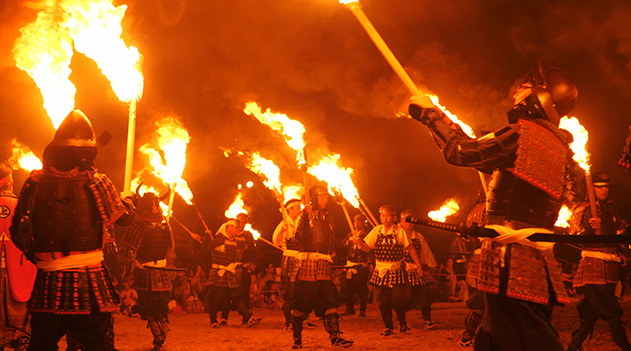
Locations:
(131, 135)
(357, 11)
(371, 216)
(348, 217)
(592, 197)
(199, 214)
(305, 176)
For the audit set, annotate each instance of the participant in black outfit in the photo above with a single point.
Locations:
(64, 219)
(533, 175)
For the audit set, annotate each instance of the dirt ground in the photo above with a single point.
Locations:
(192, 332)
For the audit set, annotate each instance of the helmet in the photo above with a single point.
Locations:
(315, 191)
(75, 130)
(553, 97)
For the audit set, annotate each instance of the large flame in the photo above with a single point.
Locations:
(453, 117)
(96, 30)
(580, 134)
(290, 129)
(448, 208)
(255, 233)
(236, 207)
(172, 140)
(293, 192)
(348, 1)
(45, 48)
(44, 51)
(338, 178)
(23, 158)
(565, 214)
(267, 169)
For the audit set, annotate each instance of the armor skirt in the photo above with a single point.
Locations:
(75, 291)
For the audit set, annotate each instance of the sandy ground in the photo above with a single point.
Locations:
(192, 332)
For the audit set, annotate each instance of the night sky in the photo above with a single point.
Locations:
(312, 60)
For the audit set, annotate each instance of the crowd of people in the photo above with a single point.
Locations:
(63, 224)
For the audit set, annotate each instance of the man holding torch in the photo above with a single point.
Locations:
(314, 288)
(597, 273)
(532, 176)
(63, 220)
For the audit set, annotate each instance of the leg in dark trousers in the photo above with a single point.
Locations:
(217, 297)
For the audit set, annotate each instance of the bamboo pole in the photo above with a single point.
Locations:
(131, 135)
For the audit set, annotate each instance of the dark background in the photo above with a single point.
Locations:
(313, 61)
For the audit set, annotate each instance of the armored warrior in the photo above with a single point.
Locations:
(597, 272)
(16, 274)
(532, 176)
(223, 276)
(314, 289)
(390, 244)
(145, 245)
(63, 221)
(421, 284)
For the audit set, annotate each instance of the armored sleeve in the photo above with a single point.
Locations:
(21, 226)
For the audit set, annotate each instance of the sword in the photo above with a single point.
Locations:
(481, 232)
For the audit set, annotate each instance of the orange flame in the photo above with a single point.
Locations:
(348, 1)
(266, 169)
(236, 207)
(44, 51)
(453, 117)
(45, 48)
(96, 30)
(338, 178)
(23, 158)
(290, 129)
(172, 140)
(565, 214)
(572, 125)
(293, 192)
(448, 208)
(255, 233)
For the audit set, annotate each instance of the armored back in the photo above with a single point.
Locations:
(65, 216)
(155, 242)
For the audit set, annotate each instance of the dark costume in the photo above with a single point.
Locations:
(64, 218)
(145, 245)
(356, 278)
(532, 175)
(421, 284)
(224, 277)
(16, 275)
(313, 288)
(596, 280)
(248, 257)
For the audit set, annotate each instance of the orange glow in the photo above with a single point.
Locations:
(348, 1)
(453, 117)
(572, 125)
(236, 207)
(95, 26)
(291, 130)
(448, 208)
(255, 233)
(293, 192)
(172, 140)
(266, 169)
(564, 216)
(338, 178)
(45, 49)
(23, 158)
